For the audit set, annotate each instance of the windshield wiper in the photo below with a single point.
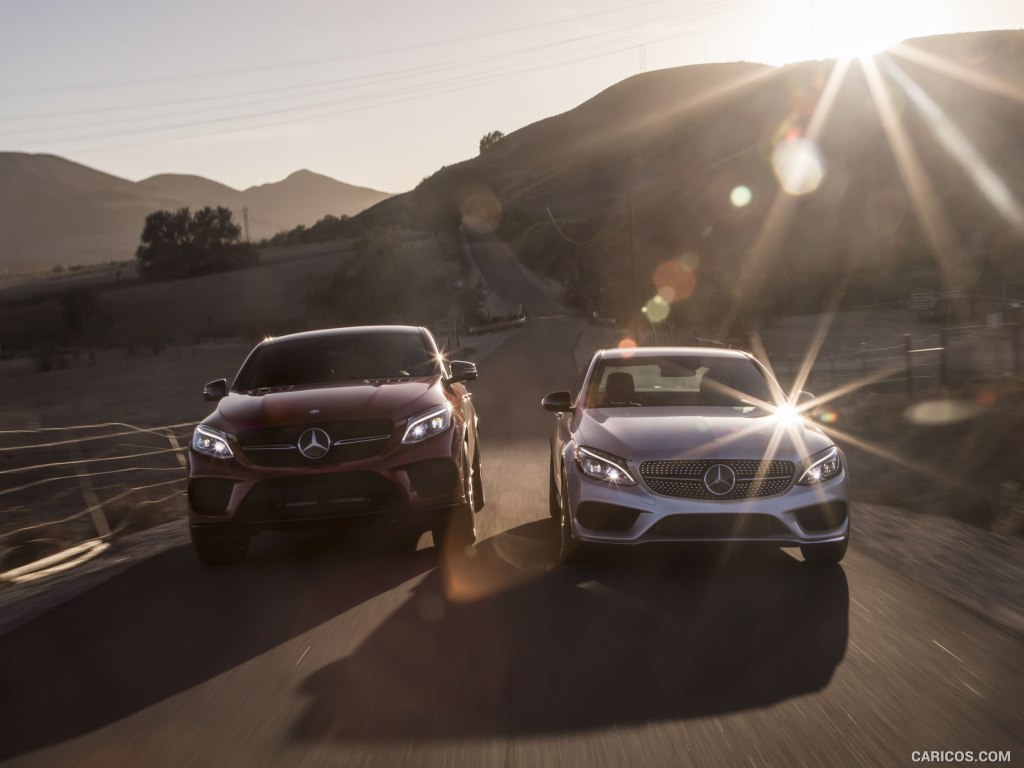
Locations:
(269, 390)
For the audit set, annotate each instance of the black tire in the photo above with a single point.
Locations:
(554, 509)
(458, 530)
(405, 541)
(214, 548)
(571, 551)
(824, 554)
(478, 482)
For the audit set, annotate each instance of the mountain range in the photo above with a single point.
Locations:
(54, 211)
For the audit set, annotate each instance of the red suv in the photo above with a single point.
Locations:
(337, 424)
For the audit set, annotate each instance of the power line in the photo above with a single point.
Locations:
(330, 59)
(388, 75)
(413, 91)
(418, 94)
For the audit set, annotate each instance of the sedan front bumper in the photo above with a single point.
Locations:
(617, 514)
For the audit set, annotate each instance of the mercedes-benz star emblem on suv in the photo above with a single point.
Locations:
(720, 479)
(314, 443)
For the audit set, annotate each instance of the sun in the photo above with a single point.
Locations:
(838, 29)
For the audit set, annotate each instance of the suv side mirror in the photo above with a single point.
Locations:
(557, 401)
(463, 371)
(215, 390)
(804, 398)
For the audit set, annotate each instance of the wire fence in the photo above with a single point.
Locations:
(947, 358)
(61, 486)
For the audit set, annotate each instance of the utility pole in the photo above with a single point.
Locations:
(245, 222)
(634, 303)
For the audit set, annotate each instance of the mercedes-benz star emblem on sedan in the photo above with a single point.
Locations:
(688, 444)
(391, 441)
(314, 444)
(720, 479)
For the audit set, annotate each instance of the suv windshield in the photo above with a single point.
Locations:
(344, 357)
(678, 381)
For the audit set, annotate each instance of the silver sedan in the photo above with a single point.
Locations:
(679, 444)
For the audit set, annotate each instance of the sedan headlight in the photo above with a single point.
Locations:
(426, 425)
(211, 442)
(602, 466)
(821, 467)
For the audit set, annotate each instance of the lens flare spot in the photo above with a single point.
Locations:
(987, 398)
(656, 309)
(938, 412)
(675, 280)
(627, 343)
(828, 417)
(741, 196)
(798, 166)
(787, 416)
(430, 608)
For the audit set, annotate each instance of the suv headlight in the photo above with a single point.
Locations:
(602, 466)
(426, 425)
(823, 466)
(211, 442)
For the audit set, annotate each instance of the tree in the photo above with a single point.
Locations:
(490, 139)
(384, 282)
(177, 244)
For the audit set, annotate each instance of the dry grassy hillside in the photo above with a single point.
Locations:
(678, 142)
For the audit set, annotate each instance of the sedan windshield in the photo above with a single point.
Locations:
(678, 381)
(345, 357)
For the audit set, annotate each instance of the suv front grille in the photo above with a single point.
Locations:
(684, 479)
(352, 440)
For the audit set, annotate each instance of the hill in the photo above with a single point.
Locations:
(673, 146)
(54, 211)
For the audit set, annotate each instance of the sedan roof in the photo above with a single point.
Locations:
(626, 353)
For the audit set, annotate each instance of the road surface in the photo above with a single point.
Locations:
(343, 652)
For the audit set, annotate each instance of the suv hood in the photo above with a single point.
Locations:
(393, 400)
(710, 433)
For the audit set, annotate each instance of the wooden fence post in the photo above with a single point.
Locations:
(1015, 348)
(908, 365)
(944, 358)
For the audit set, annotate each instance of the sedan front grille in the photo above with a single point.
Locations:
(718, 526)
(684, 479)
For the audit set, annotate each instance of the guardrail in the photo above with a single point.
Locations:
(62, 486)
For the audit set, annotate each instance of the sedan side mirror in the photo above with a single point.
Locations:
(557, 401)
(804, 398)
(215, 390)
(463, 371)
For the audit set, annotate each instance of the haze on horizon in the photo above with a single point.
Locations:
(381, 95)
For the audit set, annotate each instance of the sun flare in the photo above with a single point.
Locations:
(838, 29)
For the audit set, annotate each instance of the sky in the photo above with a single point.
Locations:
(380, 94)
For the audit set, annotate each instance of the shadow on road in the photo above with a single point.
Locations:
(646, 636)
(168, 624)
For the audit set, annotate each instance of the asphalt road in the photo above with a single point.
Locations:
(342, 651)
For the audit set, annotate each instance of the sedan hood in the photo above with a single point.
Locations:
(697, 433)
(393, 400)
